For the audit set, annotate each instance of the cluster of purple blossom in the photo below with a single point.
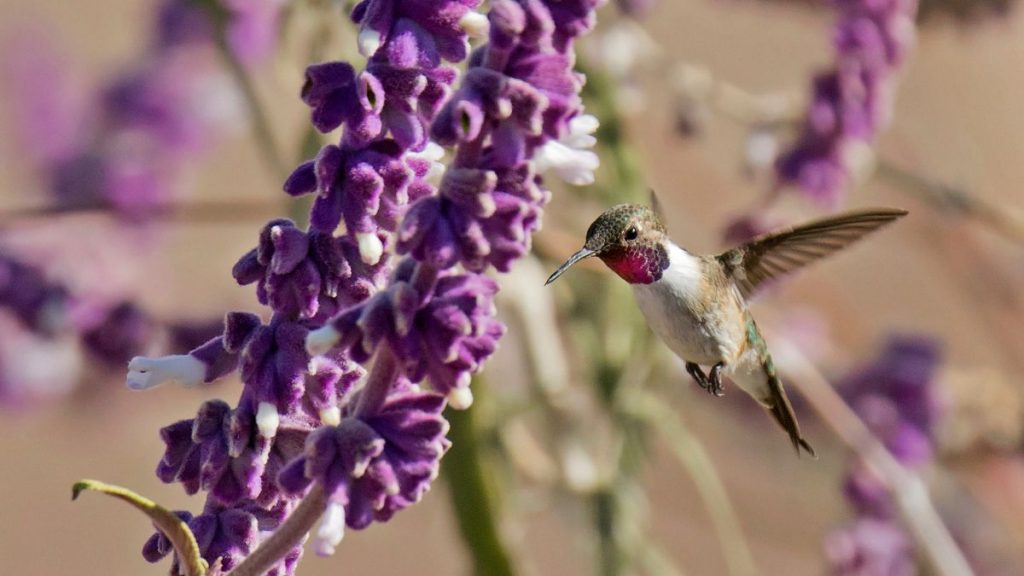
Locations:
(152, 120)
(852, 102)
(386, 287)
(126, 158)
(41, 315)
(896, 398)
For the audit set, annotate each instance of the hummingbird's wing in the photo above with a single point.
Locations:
(776, 254)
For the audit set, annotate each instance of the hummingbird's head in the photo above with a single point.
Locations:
(630, 239)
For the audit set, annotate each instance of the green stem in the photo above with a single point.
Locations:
(218, 17)
(473, 498)
(691, 454)
(610, 559)
(176, 530)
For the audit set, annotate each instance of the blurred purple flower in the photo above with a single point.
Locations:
(870, 547)
(123, 332)
(895, 396)
(252, 28)
(904, 374)
(851, 103)
(127, 152)
(47, 101)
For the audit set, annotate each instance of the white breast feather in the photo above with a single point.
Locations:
(664, 304)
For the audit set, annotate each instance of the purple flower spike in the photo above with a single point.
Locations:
(904, 375)
(338, 301)
(35, 301)
(851, 103)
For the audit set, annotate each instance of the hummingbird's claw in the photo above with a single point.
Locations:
(715, 380)
(694, 370)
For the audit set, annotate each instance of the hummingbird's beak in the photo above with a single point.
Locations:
(583, 253)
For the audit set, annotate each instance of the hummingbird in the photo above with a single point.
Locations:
(697, 304)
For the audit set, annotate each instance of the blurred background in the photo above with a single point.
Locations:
(139, 159)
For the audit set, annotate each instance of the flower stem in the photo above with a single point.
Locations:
(471, 491)
(690, 452)
(176, 530)
(907, 488)
(287, 536)
(382, 376)
(218, 17)
(609, 554)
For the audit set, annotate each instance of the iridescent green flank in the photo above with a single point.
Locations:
(755, 340)
(777, 402)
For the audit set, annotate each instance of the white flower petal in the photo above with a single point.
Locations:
(267, 419)
(321, 340)
(460, 398)
(371, 249)
(475, 24)
(145, 373)
(368, 41)
(331, 530)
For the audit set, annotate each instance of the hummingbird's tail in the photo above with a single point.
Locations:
(757, 375)
(780, 408)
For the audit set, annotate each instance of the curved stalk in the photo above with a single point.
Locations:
(287, 536)
(907, 489)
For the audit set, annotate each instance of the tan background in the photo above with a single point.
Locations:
(957, 120)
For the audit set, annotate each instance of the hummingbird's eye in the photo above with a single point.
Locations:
(631, 233)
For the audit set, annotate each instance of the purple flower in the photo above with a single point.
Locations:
(218, 451)
(252, 28)
(365, 188)
(904, 374)
(376, 464)
(851, 103)
(429, 29)
(47, 102)
(895, 398)
(444, 331)
(37, 302)
(122, 332)
(870, 548)
(227, 534)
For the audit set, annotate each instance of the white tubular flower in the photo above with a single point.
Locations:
(368, 41)
(432, 153)
(370, 247)
(475, 24)
(571, 158)
(267, 419)
(321, 340)
(460, 398)
(331, 530)
(145, 373)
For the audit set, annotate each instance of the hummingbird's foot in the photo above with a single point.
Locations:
(694, 370)
(715, 380)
